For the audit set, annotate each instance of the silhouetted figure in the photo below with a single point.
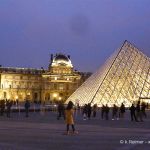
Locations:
(78, 106)
(122, 110)
(102, 111)
(17, 102)
(94, 110)
(143, 107)
(89, 110)
(8, 107)
(132, 112)
(114, 112)
(27, 106)
(61, 110)
(147, 105)
(2, 107)
(84, 112)
(106, 110)
(138, 112)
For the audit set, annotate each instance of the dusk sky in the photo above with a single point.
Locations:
(88, 30)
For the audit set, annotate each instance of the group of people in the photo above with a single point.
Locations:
(117, 112)
(138, 112)
(6, 105)
(88, 110)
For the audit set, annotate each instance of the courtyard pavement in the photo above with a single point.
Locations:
(42, 131)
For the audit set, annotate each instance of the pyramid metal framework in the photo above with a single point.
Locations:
(124, 78)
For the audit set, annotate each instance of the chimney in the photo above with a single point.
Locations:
(51, 58)
(69, 56)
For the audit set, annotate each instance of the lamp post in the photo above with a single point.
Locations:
(55, 96)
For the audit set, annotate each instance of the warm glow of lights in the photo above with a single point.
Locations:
(59, 62)
(120, 80)
(23, 83)
(8, 97)
(55, 95)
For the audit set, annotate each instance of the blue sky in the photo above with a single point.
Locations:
(88, 30)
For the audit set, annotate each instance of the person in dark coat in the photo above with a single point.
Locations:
(94, 110)
(84, 112)
(61, 110)
(106, 110)
(143, 107)
(102, 111)
(122, 110)
(147, 105)
(89, 110)
(132, 112)
(114, 112)
(138, 112)
(27, 106)
(2, 107)
(8, 107)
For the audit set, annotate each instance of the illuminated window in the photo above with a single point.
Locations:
(55, 86)
(61, 86)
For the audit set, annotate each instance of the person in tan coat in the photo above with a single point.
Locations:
(69, 116)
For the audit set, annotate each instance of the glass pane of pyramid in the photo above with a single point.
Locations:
(124, 78)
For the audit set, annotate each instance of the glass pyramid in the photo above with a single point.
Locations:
(124, 78)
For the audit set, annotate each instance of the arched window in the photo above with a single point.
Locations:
(35, 96)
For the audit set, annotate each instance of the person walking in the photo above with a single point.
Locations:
(102, 111)
(8, 107)
(89, 110)
(143, 107)
(69, 117)
(106, 110)
(27, 106)
(122, 111)
(61, 110)
(114, 112)
(94, 110)
(2, 107)
(139, 112)
(84, 112)
(132, 113)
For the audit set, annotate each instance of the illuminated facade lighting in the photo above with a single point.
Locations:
(40, 84)
(55, 95)
(122, 79)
